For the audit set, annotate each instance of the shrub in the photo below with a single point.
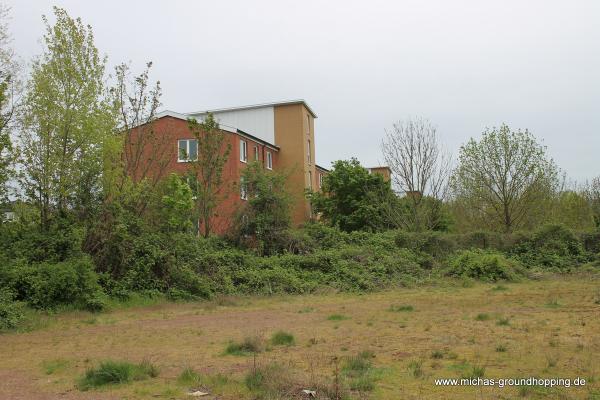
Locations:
(551, 246)
(48, 285)
(282, 338)
(272, 381)
(10, 312)
(483, 265)
(116, 372)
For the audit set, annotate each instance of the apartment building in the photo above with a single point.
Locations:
(280, 135)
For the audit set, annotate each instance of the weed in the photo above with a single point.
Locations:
(501, 348)
(401, 308)
(188, 377)
(306, 310)
(53, 366)
(503, 322)
(251, 344)
(415, 368)
(482, 317)
(499, 288)
(337, 317)
(553, 304)
(282, 338)
(116, 372)
(437, 354)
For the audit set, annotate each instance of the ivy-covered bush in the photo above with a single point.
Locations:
(483, 265)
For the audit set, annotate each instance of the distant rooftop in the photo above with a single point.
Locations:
(261, 105)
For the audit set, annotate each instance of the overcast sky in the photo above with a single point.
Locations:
(362, 65)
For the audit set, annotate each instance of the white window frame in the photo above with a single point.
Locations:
(243, 151)
(310, 184)
(255, 153)
(187, 150)
(243, 189)
(269, 160)
(320, 180)
(309, 153)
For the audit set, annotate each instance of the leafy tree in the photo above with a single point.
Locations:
(353, 199)
(176, 205)
(65, 121)
(266, 214)
(10, 89)
(572, 210)
(592, 194)
(207, 168)
(505, 178)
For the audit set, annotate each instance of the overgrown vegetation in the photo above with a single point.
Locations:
(116, 372)
(93, 224)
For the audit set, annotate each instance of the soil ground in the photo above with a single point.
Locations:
(548, 328)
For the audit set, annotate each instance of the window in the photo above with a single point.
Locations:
(320, 181)
(255, 153)
(310, 179)
(243, 151)
(307, 123)
(243, 189)
(188, 150)
(269, 160)
(309, 155)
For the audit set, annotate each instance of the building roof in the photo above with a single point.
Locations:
(173, 114)
(260, 105)
(321, 168)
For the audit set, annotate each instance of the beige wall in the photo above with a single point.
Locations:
(292, 131)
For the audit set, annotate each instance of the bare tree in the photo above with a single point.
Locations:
(137, 102)
(420, 169)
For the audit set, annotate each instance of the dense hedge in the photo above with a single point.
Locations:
(182, 266)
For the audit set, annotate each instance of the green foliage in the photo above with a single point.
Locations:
(49, 285)
(207, 170)
(176, 205)
(116, 372)
(573, 210)
(504, 180)
(282, 338)
(484, 265)
(188, 377)
(11, 312)
(65, 121)
(551, 246)
(352, 199)
(266, 214)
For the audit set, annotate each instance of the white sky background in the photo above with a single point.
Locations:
(363, 65)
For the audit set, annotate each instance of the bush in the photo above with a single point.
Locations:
(10, 312)
(116, 372)
(48, 285)
(551, 247)
(282, 338)
(483, 265)
(251, 344)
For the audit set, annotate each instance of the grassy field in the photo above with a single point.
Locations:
(407, 337)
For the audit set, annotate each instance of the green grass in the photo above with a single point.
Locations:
(188, 377)
(415, 368)
(337, 317)
(359, 371)
(116, 372)
(52, 366)
(437, 354)
(501, 348)
(401, 308)
(503, 322)
(282, 338)
(482, 317)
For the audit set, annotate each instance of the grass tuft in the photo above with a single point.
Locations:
(482, 317)
(401, 308)
(337, 317)
(188, 377)
(415, 368)
(501, 348)
(503, 322)
(251, 344)
(116, 372)
(282, 338)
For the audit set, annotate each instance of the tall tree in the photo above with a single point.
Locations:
(266, 214)
(10, 89)
(506, 178)
(65, 120)
(353, 199)
(420, 169)
(207, 168)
